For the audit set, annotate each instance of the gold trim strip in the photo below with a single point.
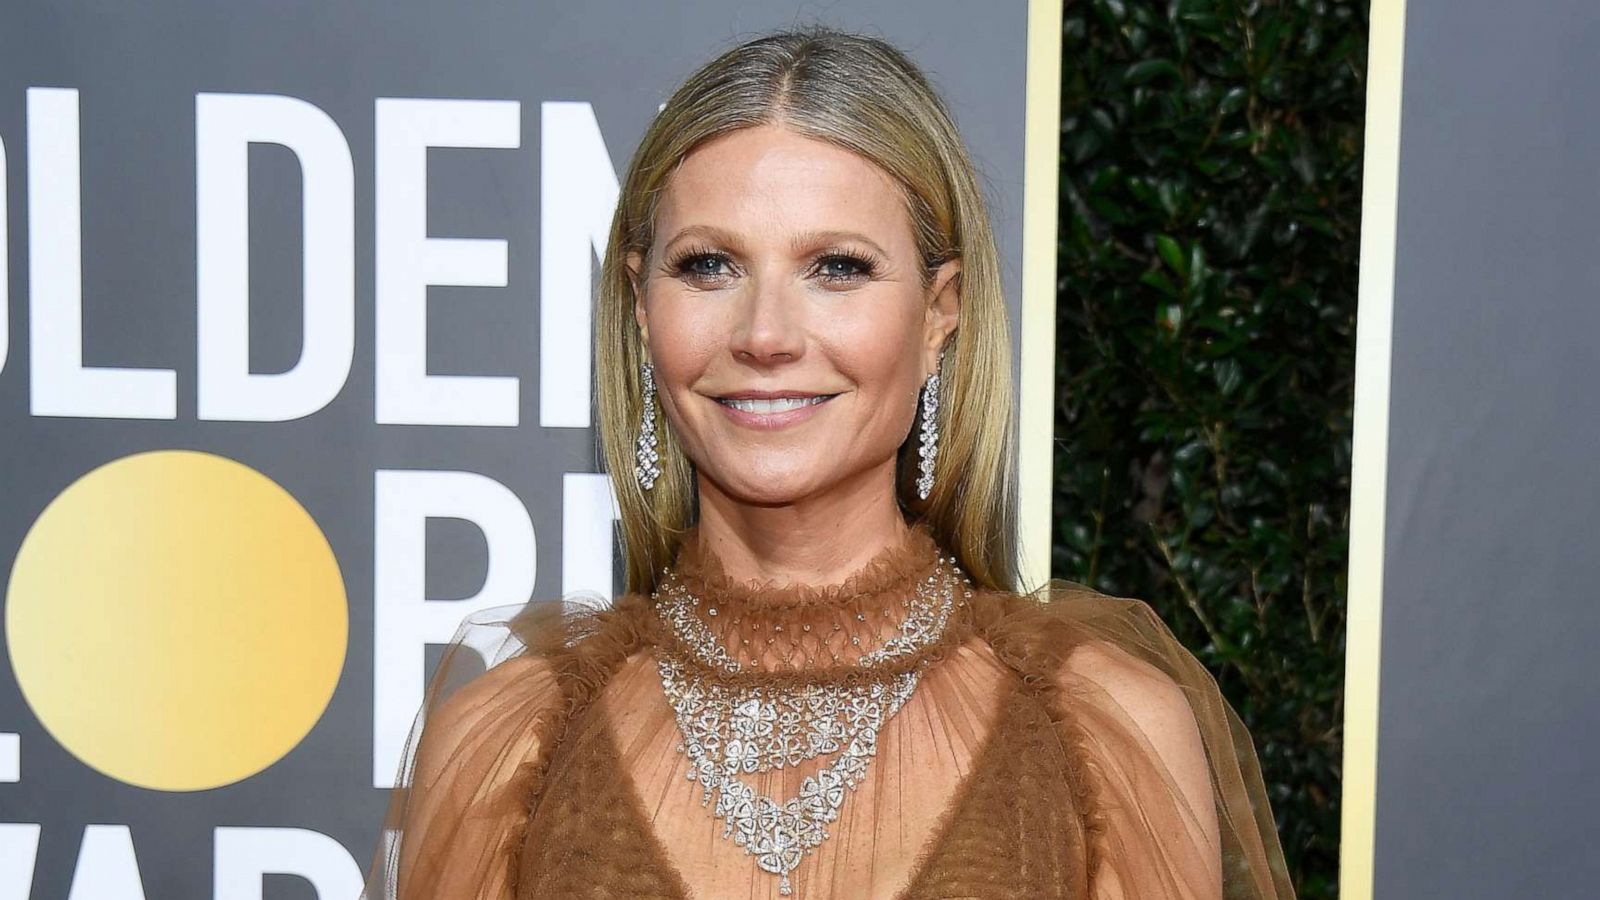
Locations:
(1041, 161)
(1369, 465)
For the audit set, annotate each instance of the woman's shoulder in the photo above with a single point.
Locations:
(1152, 716)
(1116, 656)
(1067, 630)
(495, 703)
(1119, 647)
(1070, 624)
(513, 653)
(508, 669)
(495, 661)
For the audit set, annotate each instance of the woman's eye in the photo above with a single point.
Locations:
(705, 266)
(842, 268)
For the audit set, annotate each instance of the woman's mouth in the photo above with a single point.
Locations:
(772, 412)
(773, 405)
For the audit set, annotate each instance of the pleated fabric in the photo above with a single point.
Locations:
(1059, 744)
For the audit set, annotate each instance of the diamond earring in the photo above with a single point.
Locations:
(647, 468)
(930, 434)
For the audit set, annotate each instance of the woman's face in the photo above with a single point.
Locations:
(785, 310)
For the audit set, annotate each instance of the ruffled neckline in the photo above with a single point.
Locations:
(814, 632)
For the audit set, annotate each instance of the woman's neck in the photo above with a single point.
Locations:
(818, 541)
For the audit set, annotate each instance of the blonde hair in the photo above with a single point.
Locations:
(860, 93)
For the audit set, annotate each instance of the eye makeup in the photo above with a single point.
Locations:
(835, 266)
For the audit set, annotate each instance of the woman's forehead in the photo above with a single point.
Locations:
(777, 182)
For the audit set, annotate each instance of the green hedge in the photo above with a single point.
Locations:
(1210, 204)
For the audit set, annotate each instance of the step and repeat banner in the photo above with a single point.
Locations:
(1474, 597)
(295, 373)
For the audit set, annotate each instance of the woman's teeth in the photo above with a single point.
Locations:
(778, 405)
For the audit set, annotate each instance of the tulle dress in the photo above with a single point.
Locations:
(1059, 744)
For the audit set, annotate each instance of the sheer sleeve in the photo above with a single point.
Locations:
(458, 803)
(1182, 807)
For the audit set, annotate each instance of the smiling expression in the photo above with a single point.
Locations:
(788, 315)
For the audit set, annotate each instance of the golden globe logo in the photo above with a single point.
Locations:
(177, 620)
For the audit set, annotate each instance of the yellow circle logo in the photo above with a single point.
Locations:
(176, 620)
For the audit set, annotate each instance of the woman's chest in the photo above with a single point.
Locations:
(968, 794)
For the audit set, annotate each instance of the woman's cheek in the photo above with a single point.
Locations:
(683, 340)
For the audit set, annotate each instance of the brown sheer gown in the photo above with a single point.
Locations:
(1058, 745)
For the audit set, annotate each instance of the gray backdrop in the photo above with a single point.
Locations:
(1487, 784)
(137, 70)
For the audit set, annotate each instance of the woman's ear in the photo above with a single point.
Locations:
(634, 262)
(944, 312)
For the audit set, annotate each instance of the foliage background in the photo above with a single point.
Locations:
(1210, 203)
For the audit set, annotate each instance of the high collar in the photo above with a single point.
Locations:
(817, 629)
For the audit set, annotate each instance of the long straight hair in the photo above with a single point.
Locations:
(860, 93)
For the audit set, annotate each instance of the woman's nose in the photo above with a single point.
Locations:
(768, 330)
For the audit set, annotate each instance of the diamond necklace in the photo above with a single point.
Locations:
(734, 727)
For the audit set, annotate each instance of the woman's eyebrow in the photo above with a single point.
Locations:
(808, 239)
(708, 233)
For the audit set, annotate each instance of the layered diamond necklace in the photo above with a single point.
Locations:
(732, 727)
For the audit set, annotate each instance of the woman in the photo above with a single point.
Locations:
(820, 683)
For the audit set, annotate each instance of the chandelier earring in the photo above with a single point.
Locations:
(929, 433)
(647, 465)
